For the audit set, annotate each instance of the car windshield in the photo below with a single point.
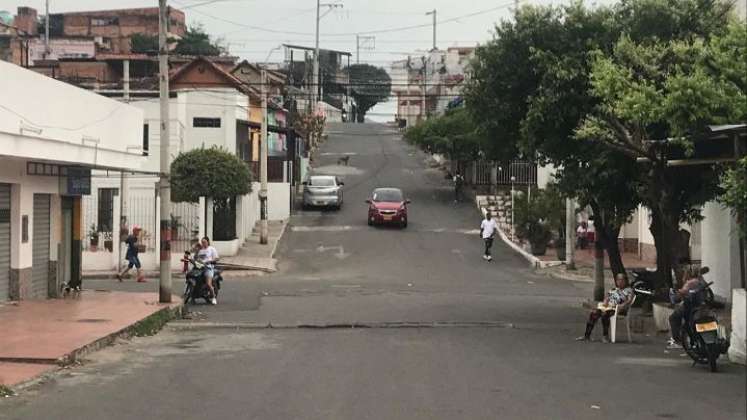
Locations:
(387, 195)
(322, 182)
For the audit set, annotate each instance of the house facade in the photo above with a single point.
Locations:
(49, 152)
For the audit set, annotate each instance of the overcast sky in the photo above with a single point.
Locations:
(251, 28)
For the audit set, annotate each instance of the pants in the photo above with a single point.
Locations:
(133, 261)
(676, 319)
(488, 245)
(457, 192)
(594, 316)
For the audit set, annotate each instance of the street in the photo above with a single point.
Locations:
(394, 324)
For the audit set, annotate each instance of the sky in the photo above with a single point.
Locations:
(252, 28)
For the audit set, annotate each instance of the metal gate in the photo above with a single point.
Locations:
(4, 242)
(40, 247)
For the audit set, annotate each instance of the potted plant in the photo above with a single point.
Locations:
(175, 223)
(532, 221)
(93, 236)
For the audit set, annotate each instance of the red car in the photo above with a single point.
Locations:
(387, 205)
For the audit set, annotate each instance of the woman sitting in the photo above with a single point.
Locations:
(622, 294)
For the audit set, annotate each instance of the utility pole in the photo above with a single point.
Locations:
(164, 286)
(433, 12)
(46, 31)
(357, 49)
(264, 230)
(263, 227)
(317, 82)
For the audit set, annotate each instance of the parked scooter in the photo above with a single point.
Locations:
(702, 337)
(195, 285)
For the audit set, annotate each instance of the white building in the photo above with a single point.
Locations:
(208, 108)
(51, 135)
(426, 85)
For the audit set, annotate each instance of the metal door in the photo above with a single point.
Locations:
(40, 247)
(4, 241)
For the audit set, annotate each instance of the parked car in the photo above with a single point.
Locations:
(387, 206)
(323, 190)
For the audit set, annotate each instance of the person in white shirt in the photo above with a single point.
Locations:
(488, 228)
(208, 255)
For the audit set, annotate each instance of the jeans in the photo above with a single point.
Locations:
(675, 321)
(488, 245)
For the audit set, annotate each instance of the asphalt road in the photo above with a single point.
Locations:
(503, 347)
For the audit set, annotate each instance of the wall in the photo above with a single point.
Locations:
(62, 48)
(278, 200)
(720, 249)
(69, 125)
(738, 326)
(213, 103)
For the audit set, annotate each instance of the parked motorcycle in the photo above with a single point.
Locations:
(702, 337)
(195, 285)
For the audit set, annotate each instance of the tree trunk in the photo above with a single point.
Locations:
(598, 271)
(607, 234)
(613, 253)
(663, 241)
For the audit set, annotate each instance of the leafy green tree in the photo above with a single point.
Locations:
(656, 97)
(369, 86)
(213, 172)
(144, 43)
(197, 42)
(453, 134)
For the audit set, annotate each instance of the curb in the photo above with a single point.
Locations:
(280, 236)
(153, 322)
(199, 326)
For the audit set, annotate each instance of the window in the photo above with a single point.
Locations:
(146, 145)
(106, 209)
(104, 21)
(206, 122)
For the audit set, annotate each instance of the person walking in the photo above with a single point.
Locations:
(488, 228)
(132, 256)
(458, 182)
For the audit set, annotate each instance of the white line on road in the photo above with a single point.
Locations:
(338, 154)
(349, 228)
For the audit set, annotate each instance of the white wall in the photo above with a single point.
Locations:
(211, 103)
(720, 249)
(545, 174)
(43, 118)
(278, 200)
(738, 327)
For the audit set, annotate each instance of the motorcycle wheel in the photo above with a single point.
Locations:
(187, 293)
(713, 352)
(691, 348)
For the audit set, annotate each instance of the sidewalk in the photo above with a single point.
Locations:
(41, 335)
(255, 256)
(252, 256)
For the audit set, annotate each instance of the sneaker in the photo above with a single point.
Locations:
(214, 301)
(141, 280)
(583, 338)
(485, 257)
(673, 345)
(490, 258)
(119, 277)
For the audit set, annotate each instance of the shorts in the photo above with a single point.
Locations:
(133, 261)
(210, 271)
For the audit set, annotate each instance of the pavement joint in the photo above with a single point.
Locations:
(192, 326)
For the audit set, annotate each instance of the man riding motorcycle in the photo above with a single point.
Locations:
(692, 294)
(208, 255)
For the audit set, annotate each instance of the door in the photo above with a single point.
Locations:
(4, 242)
(40, 248)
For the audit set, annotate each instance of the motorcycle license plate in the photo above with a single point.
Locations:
(708, 326)
(387, 217)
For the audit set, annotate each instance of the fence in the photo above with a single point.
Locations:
(185, 226)
(522, 172)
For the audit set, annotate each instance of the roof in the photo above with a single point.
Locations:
(272, 74)
(229, 78)
(299, 47)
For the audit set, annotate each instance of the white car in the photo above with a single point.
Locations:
(323, 191)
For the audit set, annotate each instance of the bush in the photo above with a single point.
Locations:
(213, 173)
(536, 219)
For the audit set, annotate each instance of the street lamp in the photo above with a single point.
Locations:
(513, 228)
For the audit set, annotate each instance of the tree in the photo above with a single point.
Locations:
(213, 172)
(216, 174)
(369, 86)
(197, 42)
(655, 98)
(453, 134)
(144, 43)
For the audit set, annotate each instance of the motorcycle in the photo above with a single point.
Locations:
(195, 285)
(702, 338)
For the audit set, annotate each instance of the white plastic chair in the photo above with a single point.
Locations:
(621, 311)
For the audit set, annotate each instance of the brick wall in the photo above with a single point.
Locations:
(26, 20)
